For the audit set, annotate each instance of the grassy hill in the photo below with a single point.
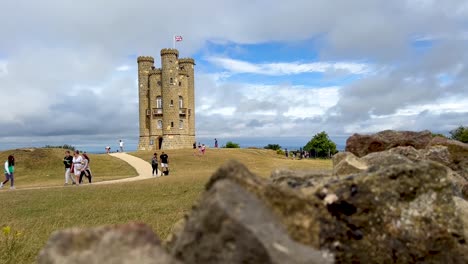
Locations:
(159, 202)
(43, 167)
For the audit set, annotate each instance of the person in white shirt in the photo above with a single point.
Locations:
(121, 144)
(77, 165)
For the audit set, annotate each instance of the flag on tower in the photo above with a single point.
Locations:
(178, 38)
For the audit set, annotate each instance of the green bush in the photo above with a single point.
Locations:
(231, 144)
(65, 146)
(272, 146)
(460, 134)
(322, 145)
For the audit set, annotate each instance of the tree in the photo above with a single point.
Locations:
(321, 145)
(231, 144)
(272, 146)
(460, 134)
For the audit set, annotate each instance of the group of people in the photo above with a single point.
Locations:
(164, 164)
(78, 164)
(200, 151)
(121, 146)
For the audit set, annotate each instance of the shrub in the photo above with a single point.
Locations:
(64, 146)
(321, 145)
(231, 144)
(460, 134)
(272, 146)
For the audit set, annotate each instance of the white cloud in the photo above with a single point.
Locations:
(288, 68)
(3, 68)
(123, 68)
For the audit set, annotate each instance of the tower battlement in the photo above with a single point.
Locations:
(166, 102)
(186, 60)
(169, 52)
(145, 58)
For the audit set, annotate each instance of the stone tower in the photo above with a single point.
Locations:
(167, 102)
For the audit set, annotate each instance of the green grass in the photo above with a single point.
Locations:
(159, 202)
(44, 167)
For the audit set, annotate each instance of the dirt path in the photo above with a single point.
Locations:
(142, 167)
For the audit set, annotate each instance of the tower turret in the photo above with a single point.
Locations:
(187, 65)
(169, 78)
(145, 64)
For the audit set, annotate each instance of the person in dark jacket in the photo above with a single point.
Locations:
(67, 161)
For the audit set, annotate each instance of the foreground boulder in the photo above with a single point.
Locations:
(361, 145)
(121, 244)
(400, 213)
(232, 225)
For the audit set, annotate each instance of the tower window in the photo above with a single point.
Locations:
(172, 124)
(181, 124)
(171, 81)
(180, 83)
(159, 124)
(172, 103)
(159, 102)
(181, 102)
(159, 83)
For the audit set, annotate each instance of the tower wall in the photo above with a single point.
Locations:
(145, 64)
(154, 92)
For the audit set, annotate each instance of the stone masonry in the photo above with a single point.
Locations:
(167, 102)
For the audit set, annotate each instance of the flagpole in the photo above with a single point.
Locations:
(173, 41)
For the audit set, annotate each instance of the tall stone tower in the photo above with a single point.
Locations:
(167, 102)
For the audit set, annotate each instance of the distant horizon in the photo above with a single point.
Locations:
(290, 143)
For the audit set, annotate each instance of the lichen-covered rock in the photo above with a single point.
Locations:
(458, 154)
(361, 145)
(402, 213)
(383, 159)
(438, 154)
(408, 152)
(462, 207)
(231, 225)
(299, 179)
(120, 244)
(346, 163)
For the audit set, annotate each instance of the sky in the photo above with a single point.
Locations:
(266, 71)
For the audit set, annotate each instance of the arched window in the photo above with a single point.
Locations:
(171, 81)
(172, 103)
(159, 102)
(160, 124)
(181, 102)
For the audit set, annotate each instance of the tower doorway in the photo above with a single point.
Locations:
(160, 141)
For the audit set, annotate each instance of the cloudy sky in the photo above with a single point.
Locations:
(267, 71)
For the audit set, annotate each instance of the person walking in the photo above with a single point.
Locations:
(67, 161)
(85, 170)
(164, 163)
(9, 169)
(77, 166)
(121, 145)
(154, 164)
(216, 143)
(203, 149)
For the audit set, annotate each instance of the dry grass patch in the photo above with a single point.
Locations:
(184, 162)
